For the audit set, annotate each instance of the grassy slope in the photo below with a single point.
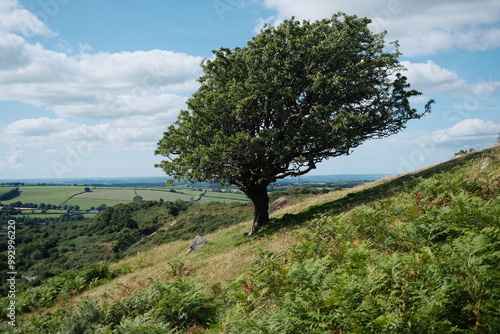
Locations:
(231, 251)
(230, 254)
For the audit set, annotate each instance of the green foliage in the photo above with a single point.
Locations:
(143, 324)
(296, 192)
(60, 287)
(423, 261)
(166, 308)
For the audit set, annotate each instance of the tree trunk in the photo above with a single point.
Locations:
(260, 200)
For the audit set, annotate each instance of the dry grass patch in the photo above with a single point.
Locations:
(228, 256)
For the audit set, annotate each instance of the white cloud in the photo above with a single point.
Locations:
(55, 134)
(99, 85)
(88, 85)
(12, 161)
(35, 127)
(15, 19)
(432, 78)
(467, 132)
(422, 27)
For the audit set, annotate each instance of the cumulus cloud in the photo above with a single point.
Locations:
(15, 19)
(36, 127)
(99, 85)
(87, 85)
(121, 134)
(422, 27)
(467, 132)
(432, 78)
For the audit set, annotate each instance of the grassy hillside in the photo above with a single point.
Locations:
(418, 253)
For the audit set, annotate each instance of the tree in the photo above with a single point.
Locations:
(295, 95)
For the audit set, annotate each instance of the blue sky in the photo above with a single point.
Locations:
(88, 87)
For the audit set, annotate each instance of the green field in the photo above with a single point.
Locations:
(76, 195)
(55, 195)
(223, 197)
(128, 194)
(87, 203)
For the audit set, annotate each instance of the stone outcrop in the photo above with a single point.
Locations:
(197, 243)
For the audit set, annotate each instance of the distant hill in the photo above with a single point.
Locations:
(160, 181)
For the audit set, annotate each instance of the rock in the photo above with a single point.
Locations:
(197, 243)
(279, 203)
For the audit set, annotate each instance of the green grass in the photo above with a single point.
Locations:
(223, 197)
(115, 194)
(155, 195)
(55, 195)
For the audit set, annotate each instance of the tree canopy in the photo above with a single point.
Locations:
(295, 95)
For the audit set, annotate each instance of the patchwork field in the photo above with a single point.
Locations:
(55, 195)
(76, 195)
(128, 194)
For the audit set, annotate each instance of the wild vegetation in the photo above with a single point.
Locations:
(414, 254)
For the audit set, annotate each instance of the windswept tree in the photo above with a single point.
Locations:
(295, 95)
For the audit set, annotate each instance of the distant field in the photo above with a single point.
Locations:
(223, 197)
(128, 194)
(75, 195)
(155, 195)
(55, 195)
(115, 194)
